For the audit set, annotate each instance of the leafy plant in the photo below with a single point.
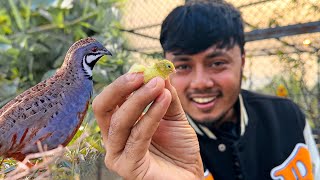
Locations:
(293, 79)
(35, 35)
(34, 38)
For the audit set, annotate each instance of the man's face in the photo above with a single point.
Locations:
(208, 83)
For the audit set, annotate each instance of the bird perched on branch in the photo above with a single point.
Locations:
(162, 68)
(51, 111)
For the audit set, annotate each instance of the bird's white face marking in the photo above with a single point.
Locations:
(88, 60)
(91, 58)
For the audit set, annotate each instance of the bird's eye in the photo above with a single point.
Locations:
(169, 66)
(94, 49)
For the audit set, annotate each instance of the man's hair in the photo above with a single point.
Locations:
(198, 25)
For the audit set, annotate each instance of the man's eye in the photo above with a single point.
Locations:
(182, 67)
(217, 64)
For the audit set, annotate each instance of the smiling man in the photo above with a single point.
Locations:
(241, 134)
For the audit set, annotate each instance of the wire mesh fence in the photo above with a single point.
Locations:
(285, 66)
(142, 19)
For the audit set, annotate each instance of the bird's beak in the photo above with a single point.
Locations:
(106, 52)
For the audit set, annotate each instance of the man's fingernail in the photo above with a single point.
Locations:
(152, 83)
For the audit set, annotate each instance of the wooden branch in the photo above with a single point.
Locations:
(261, 34)
(282, 31)
(143, 27)
(138, 34)
(254, 3)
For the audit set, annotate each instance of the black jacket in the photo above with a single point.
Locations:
(274, 140)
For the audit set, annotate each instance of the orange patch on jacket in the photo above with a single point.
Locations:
(297, 166)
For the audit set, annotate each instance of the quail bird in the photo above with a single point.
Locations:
(51, 111)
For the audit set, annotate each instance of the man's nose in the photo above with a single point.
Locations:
(201, 79)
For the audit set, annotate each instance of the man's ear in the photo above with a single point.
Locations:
(243, 60)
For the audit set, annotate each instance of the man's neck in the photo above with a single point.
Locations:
(230, 116)
(229, 124)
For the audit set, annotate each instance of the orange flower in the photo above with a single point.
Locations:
(282, 91)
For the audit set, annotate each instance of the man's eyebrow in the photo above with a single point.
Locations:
(215, 54)
(181, 58)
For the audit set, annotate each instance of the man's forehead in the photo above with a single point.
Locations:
(211, 50)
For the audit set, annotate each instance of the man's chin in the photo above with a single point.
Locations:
(208, 120)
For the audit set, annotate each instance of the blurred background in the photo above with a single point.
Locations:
(282, 54)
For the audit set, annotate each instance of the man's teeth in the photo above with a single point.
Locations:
(203, 100)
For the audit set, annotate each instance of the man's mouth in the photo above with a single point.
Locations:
(203, 100)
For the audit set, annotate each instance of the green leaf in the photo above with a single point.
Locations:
(38, 48)
(23, 41)
(16, 14)
(119, 62)
(6, 29)
(27, 9)
(86, 7)
(79, 33)
(13, 52)
(85, 24)
(77, 135)
(5, 21)
(4, 39)
(15, 72)
(58, 19)
(45, 14)
(95, 144)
